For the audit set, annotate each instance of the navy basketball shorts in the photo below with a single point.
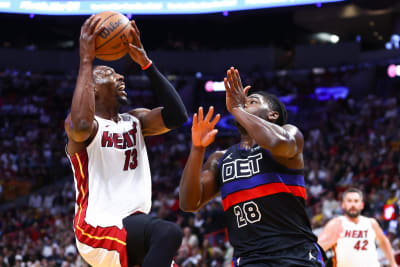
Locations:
(304, 255)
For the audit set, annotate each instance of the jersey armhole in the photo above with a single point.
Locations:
(131, 114)
(90, 141)
(217, 177)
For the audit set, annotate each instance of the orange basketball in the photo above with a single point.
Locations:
(112, 42)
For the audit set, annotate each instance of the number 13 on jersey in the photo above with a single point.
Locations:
(247, 213)
(130, 159)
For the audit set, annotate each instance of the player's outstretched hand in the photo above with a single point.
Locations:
(235, 94)
(136, 50)
(87, 39)
(203, 132)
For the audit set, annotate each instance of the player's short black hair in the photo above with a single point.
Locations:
(353, 190)
(276, 105)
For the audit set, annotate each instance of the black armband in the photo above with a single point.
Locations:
(174, 113)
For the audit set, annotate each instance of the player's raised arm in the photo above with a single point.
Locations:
(198, 185)
(268, 131)
(80, 122)
(173, 113)
(330, 235)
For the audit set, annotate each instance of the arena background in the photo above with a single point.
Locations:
(333, 64)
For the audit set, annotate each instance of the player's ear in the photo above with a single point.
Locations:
(273, 115)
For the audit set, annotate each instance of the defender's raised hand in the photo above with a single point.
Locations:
(203, 132)
(235, 94)
(136, 50)
(87, 39)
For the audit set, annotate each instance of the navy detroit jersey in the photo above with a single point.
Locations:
(264, 203)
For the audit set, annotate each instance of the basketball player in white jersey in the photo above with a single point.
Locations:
(110, 165)
(352, 236)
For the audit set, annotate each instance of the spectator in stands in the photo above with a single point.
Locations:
(190, 240)
(316, 190)
(330, 206)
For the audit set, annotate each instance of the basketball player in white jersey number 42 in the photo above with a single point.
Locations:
(110, 165)
(352, 236)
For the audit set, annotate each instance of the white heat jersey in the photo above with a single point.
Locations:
(119, 172)
(113, 181)
(356, 246)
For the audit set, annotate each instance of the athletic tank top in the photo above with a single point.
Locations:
(264, 204)
(356, 245)
(112, 175)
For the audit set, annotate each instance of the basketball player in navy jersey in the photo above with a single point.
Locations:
(109, 160)
(260, 180)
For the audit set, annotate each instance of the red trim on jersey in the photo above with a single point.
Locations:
(110, 238)
(262, 191)
(334, 259)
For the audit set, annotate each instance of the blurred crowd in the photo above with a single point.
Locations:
(351, 141)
